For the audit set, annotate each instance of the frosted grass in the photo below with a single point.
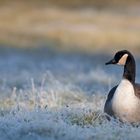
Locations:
(54, 96)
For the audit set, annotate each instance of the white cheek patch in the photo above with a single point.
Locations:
(123, 59)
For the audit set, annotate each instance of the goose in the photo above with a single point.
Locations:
(123, 100)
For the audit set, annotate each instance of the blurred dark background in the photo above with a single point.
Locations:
(77, 3)
(85, 25)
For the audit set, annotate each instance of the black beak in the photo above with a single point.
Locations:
(111, 62)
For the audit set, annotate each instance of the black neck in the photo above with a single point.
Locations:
(130, 69)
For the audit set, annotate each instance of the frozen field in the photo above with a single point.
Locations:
(48, 95)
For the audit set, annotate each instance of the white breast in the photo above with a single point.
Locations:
(124, 102)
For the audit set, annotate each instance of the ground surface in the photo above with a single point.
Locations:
(49, 95)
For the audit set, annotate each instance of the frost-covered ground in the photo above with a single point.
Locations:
(48, 95)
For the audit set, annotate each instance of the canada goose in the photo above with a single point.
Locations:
(123, 101)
